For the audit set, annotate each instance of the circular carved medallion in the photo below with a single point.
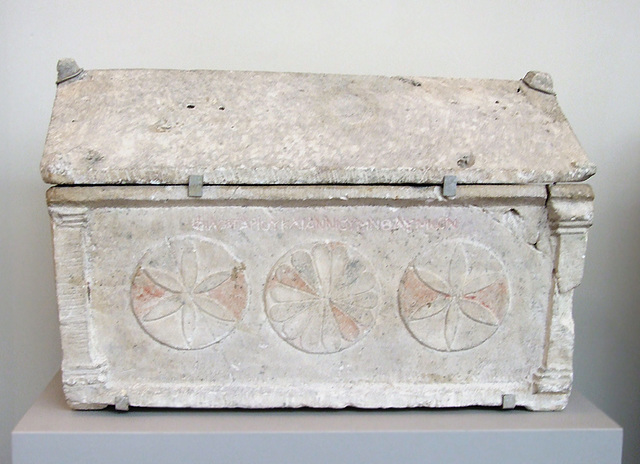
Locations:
(454, 297)
(188, 292)
(321, 298)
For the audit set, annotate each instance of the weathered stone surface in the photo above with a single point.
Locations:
(160, 127)
(246, 293)
(321, 296)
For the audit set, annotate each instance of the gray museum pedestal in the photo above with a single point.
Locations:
(52, 433)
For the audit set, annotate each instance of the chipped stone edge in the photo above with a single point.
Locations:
(59, 174)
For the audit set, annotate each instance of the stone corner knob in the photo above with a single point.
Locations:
(540, 81)
(67, 70)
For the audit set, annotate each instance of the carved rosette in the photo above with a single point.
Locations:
(455, 297)
(322, 298)
(188, 292)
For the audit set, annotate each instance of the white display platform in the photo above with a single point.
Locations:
(52, 433)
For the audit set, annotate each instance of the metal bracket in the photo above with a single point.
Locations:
(449, 186)
(122, 403)
(508, 401)
(195, 186)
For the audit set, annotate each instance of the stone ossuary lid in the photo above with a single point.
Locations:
(161, 126)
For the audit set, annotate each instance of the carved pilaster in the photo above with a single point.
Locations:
(570, 208)
(80, 365)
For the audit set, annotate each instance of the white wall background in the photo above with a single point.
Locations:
(591, 48)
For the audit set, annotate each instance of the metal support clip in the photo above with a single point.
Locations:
(508, 401)
(195, 185)
(122, 403)
(449, 186)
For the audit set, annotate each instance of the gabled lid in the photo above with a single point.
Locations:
(161, 126)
